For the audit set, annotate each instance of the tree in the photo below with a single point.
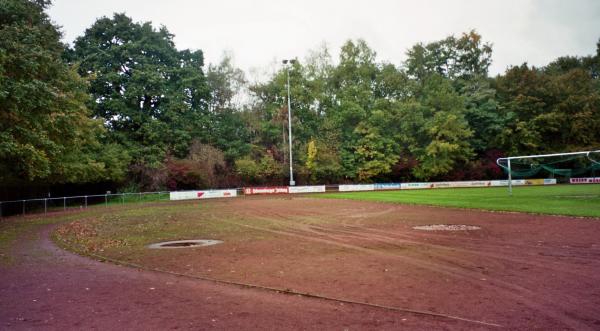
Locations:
(311, 158)
(353, 97)
(45, 132)
(465, 57)
(151, 97)
(482, 113)
(308, 100)
(225, 83)
(564, 64)
(376, 151)
(265, 170)
(433, 129)
(202, 168)
(548, 112)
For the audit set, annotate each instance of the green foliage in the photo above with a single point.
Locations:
(264, 170)
(225, 83)
(156, 119)
(548, 112)
(248, 169)
(311, 158)
(152, 97)
(46, 133)
(456, 58)
(376, 152)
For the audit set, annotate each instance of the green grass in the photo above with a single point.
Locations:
(572, 200)
(124, 232)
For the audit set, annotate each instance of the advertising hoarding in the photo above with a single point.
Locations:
(209, 194)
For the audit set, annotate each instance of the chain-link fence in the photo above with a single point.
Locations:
(47, 205)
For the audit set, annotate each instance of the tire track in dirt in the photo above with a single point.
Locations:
(481, 244)
(545, 309)
(585, 253)
(548, 308)
(454, 260)
(480, 250)
(518, 289)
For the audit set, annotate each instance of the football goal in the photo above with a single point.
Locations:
(565, 165)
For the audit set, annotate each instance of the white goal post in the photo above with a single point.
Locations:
(508, 159)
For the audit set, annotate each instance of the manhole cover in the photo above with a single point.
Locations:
(185, 243)
(446, 227)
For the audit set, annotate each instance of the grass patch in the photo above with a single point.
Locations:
(20, 227)
(571, 200)
(125, 233)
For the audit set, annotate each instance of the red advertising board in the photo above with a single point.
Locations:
(267, 190)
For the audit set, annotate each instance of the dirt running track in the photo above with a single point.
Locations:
(520, 271)
(51, 289)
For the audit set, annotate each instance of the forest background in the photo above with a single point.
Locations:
(123, 109)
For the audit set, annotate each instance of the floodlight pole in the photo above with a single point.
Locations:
(287, 69)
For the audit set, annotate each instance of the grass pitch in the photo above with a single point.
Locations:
(572, 200)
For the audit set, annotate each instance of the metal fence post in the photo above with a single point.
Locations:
(65, 203)
(85, 201)
(106, 200)
(23, 207)
(45, 206)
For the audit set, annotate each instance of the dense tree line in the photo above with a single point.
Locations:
(124, 105)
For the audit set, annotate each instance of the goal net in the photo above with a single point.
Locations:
(559, 165)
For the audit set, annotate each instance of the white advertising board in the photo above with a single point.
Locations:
(415, 186)
(474, 183)
(356, 187)
(477, 183)
(307, 189)
(515, 182)
(388, 186)
(210, 194)
(520, 182)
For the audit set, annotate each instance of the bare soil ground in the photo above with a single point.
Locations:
(51, 289)
(519, 271)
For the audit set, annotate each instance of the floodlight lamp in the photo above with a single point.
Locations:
(285, 61)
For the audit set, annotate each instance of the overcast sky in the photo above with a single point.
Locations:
(260, 33)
